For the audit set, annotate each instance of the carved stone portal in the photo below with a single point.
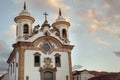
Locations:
(48, 71)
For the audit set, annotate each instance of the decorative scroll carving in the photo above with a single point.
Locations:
(36, 29)
(47, 62)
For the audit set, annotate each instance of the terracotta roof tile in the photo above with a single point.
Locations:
(108, 76)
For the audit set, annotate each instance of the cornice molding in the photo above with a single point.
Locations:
(24, 17)
(61, 22)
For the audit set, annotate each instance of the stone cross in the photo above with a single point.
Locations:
(45, 15)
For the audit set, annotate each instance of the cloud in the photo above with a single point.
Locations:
(74, 28)
(76, 67)
(3, 66)
(113, 29)
(107, 6)
(93, 18)
(89, 14)
(102, 42)
(117, 53)
(112, 17)
(12, 32)
(51, 4)
(93, 28)
(97, 20)
(18, 2)
(114, 7)
(4, 50)
(4, 53)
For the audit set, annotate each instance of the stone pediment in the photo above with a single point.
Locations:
(48, 40)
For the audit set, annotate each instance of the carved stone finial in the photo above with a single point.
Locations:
(24, 5)
(60, 12)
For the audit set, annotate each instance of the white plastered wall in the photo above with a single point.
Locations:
(33, 72)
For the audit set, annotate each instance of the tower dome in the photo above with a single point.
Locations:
(60, 20)
(24, 15)
(60, 17)
(24, 11)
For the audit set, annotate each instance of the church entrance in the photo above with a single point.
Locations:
(48, 75)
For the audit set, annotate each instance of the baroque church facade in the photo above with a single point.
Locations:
(40, 52)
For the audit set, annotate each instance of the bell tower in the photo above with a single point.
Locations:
(24, 24)
(62, 26)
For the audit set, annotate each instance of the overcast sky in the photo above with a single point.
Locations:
(94, 30)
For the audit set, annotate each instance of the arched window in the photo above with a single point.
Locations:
(37, 59)
(26, 29)
(57, 60)
(64, 33)
(48, 75)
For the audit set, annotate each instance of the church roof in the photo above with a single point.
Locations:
(46, 24)
(109, 76)
(96, 73)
